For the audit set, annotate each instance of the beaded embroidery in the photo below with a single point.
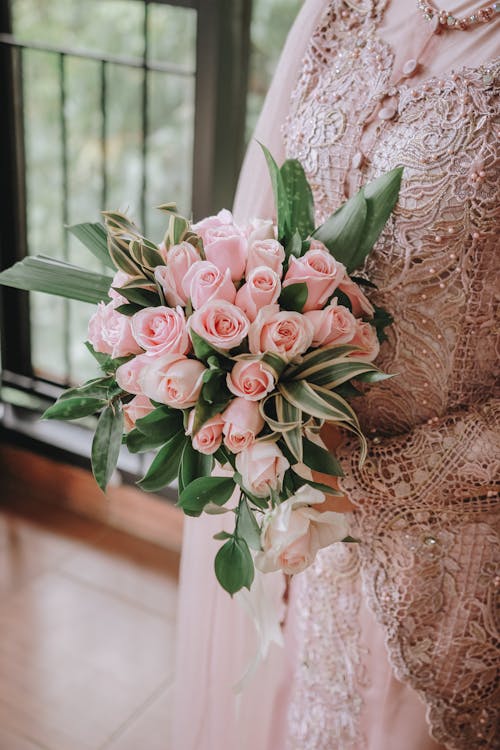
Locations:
(426, 508)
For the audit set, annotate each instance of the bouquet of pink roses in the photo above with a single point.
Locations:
(226, 348)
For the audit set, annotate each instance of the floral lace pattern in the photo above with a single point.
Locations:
(426, 496)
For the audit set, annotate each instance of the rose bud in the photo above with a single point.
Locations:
(173, 379)
(262, 288)
(242, 423)
(281, 332)
(220, 323)
(320, 272)
(262, 467)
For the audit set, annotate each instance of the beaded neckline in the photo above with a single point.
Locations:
(444, 19)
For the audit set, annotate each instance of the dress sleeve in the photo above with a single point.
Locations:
(428, 519)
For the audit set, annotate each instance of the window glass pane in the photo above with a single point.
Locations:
(99, 98)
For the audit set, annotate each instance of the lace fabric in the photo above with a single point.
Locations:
(428, 513)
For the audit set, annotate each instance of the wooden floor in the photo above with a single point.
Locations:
(87, 617)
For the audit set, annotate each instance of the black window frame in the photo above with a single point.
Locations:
(221, 78)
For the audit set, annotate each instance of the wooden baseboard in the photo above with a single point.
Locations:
(45, 480)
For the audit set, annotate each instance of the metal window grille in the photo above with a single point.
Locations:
(219, 78)
(219, 84)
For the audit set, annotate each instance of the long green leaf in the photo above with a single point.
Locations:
(42, 274)
(280, 197)
(381, 196)
(300, 199)
(326, 354)
(106, 444)
(319, 459)
(313, 401)
(334, 374)
(343, 231)
(287, 413)
(165, 466)
(234, 566)
(95, 239)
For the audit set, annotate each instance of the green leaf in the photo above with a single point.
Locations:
(137, 442)
(293, 297)
(101, 388)
(141, 297)
(279, 192)
(317, 402)
(203, 350)
(319, 459)
(106, 444)
(350, 540)
(294, 246)
(129, 309)
(95, 239)
(331, 375)
(381, 196)
(247, 527)
(275, 362)
(74, 408)
(215, 390)
(42, 274)
(287, 413)
(162, 423)
(328, 354)
(105, 362)
(342, 232)
(193, 466)
(381, 320)
(375, 376)
(205, 490)
(300, 199)
(222, 536)
(234, 566)
(165, 466)
(206, 407)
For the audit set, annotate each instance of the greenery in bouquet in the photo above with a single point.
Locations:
(226, 348)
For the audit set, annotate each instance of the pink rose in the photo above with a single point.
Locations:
(139, 407)
(367, 340)
(266, 253)
(224, 243)
(284, 332)
(361, 305)
(319, 271)
(208, 439)
(262, 288)
(110, 332)
(251, 379)
(242, 423)
(179, 259)
(334, 324)
(161, 330)
(119, 279)
(173, 379)
(204, 282)
(128, 375)
(262, 467)
(220, 323)
(293, 532)
(260, 229)
(223, 218)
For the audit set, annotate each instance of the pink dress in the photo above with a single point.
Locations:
(391, 644)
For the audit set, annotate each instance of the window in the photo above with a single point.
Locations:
(117, 104)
